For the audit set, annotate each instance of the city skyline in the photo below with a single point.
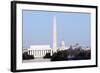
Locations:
(38, 25)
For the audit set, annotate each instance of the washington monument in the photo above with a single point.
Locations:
(54, 35)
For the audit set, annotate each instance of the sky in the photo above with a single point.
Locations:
(72, 28)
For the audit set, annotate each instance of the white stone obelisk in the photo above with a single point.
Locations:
(54, 35)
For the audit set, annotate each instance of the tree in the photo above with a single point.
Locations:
(82, 55)
(27, 57)
(60, 56)
(47, 55)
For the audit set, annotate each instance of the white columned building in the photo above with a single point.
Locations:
(39, 50)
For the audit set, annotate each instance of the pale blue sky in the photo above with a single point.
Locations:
(71, 28)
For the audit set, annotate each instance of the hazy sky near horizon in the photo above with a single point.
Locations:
(71, 28)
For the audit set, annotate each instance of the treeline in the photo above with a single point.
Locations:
(69, 54)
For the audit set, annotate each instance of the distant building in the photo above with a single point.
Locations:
(86, 49)
(62, 45)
